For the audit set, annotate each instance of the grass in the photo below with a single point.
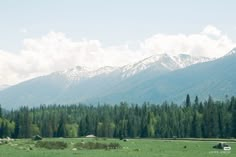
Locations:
(132, 148)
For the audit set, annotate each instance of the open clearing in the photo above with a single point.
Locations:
(131, 148)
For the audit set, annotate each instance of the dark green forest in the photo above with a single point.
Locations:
(196, 119)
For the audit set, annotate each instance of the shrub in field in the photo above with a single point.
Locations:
(51, 144)
(97, 145)
(114, 146)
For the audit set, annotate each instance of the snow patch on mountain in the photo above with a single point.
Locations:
(167, 61)
(79, 72)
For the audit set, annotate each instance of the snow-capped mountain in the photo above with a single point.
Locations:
(232, 52)
(164, 61)
(106, 84)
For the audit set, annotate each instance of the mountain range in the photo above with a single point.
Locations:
(154, 79)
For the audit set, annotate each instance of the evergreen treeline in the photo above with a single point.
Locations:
(208, 119)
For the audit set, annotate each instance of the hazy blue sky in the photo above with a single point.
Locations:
(111, 21)
(38, 37)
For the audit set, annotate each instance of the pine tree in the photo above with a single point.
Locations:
(27, 123)
(211, 119)
(196, 101)
(61, 131)
(2, 129)
(82, 127)
(17, 126)
(0, 111)
(188, 101)
(196, 125)
(151, 123)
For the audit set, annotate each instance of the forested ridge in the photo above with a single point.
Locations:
(207, 119)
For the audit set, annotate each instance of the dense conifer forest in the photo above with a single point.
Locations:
(207, 119)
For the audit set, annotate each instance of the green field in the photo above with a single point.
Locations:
(131, 148)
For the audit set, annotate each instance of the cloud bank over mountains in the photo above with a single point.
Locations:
(210, 42)
(55, 51)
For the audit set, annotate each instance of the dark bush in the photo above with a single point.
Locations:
(92, 145)
(51, 144)
(114, 146)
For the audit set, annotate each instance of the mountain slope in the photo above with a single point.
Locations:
(216, 78)
(52, 88)
(2, 87)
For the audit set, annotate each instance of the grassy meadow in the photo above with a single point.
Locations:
(131, 148)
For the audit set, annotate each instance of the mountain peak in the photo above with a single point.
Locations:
(232, 52)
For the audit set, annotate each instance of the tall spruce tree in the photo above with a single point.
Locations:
(233, 102)
(188, 101)
(61, 131)
(196, 125)
(0, 111)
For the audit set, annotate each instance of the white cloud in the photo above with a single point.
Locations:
(210, 43)
(211, 30)
(55, 51)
